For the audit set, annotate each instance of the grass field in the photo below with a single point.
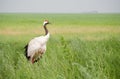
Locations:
(81, 46)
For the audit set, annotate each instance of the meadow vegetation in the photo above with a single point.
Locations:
(81, 46)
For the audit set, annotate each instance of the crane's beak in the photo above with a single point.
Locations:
(49, 23)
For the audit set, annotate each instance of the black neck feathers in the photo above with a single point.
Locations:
(45, 28)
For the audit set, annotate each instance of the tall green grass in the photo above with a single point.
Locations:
(65, 58)
(69, 56)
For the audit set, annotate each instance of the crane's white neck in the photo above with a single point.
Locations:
(47, 37)
(44, 23)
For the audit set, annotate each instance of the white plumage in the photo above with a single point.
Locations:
(37, 46)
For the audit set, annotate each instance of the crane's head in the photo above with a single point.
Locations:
(46, 22)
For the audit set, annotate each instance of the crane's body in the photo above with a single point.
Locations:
(37, 46)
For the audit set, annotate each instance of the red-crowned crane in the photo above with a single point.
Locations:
(37, 46)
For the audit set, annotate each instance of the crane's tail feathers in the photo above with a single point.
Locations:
(26, 48)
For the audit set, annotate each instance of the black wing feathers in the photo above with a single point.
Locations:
(26, 48)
